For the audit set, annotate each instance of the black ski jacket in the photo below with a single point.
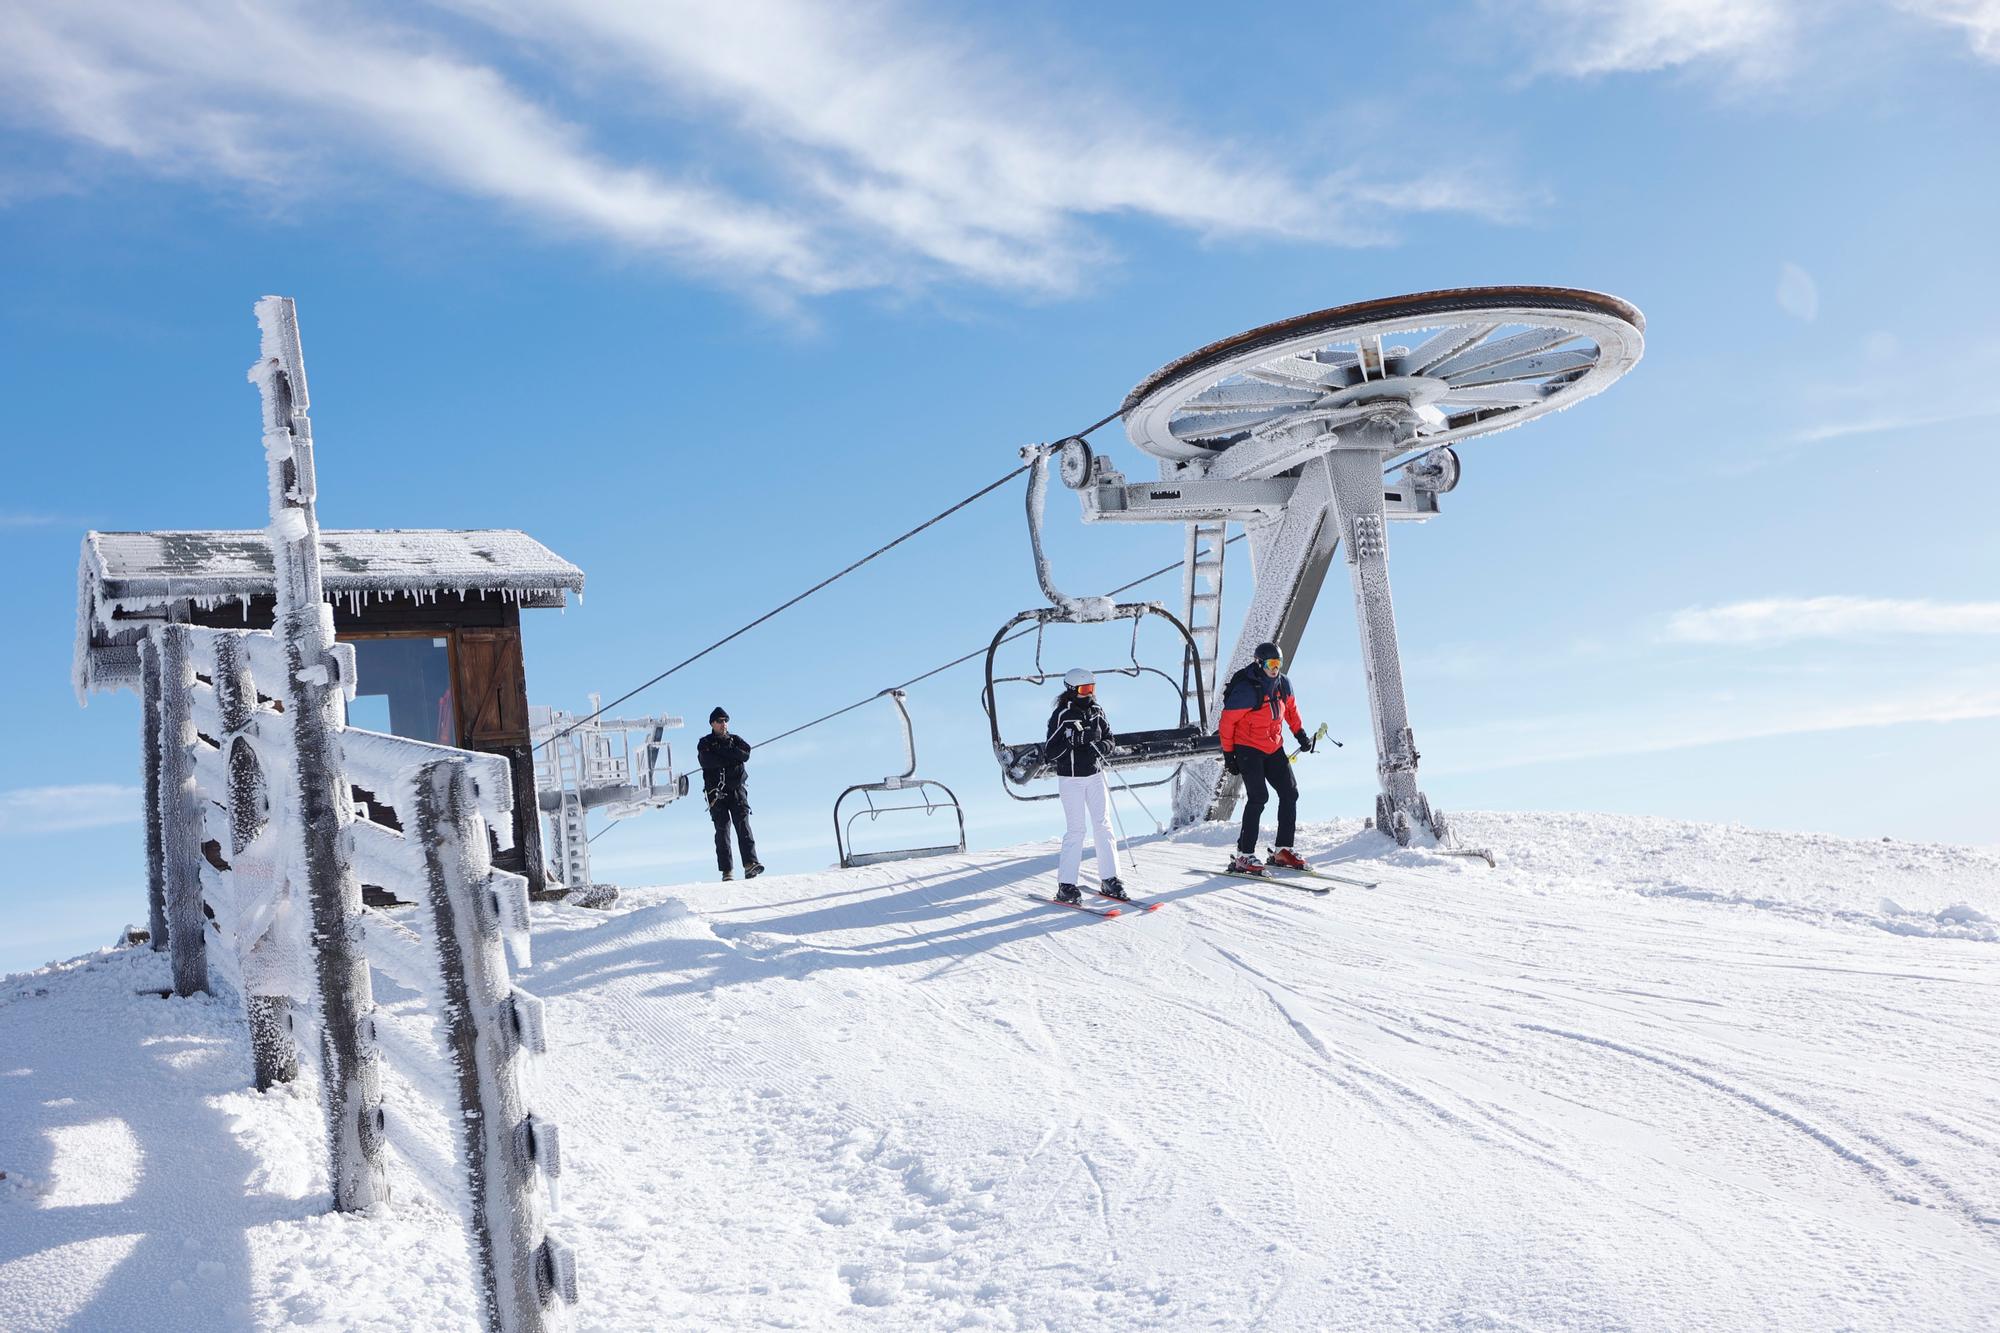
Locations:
(1079, 735)
(724, 780)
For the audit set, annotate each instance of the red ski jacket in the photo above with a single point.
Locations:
(1257, 709)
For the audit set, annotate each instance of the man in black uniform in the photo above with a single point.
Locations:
(727, 787)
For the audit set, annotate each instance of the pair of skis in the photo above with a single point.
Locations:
(1290, 878)
(1120, 905)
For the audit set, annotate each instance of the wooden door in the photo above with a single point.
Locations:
(492, 688)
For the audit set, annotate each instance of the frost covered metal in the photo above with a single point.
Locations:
(621, 766)
(1291, 429)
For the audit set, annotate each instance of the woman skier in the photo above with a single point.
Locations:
(1256, 709)
(1079, 738)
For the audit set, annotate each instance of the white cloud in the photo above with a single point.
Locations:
(801, 146)
(263, 95)
(1776, 620)
(1547, 740)
(1587, 37)
(1798, 294)
(1882, 423)
(26, 810)
(1978, 19)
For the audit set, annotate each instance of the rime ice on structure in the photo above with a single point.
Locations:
(1313, 431)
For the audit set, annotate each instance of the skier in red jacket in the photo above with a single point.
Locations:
(1256, 709)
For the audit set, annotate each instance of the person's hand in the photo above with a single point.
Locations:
(1231, 762)
(1305, 741)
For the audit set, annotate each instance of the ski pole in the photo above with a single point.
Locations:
(1317, 737)
(1119, 819)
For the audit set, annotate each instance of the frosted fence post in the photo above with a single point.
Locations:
(180, 814)
(489, 1027)
(149, 728)
(274, 1055)
(350, 1074)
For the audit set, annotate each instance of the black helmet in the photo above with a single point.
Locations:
(1265, 652)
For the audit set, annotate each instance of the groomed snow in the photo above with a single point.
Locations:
(1644, 1074)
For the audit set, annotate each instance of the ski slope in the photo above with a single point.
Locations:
(1644, 1075)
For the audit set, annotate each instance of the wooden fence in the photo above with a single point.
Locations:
(270, 814)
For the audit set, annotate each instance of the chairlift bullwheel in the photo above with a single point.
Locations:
(1469, 362)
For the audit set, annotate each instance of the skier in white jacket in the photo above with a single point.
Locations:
(1079, 738)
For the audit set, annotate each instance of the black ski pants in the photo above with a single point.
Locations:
(724, 813)
(1263, 774)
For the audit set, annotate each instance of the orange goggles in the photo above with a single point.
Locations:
(1087, 690)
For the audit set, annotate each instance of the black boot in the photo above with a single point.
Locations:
(754, 869)
(1114, 888)
(1069, 893)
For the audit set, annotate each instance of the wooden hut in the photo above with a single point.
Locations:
(434, 617)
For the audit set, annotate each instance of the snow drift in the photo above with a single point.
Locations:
(1645, 1074)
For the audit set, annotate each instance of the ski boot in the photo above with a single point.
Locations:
(754, 869)
(1246, 863)
(1114, 888)
(1284, 858)
(1069, 894)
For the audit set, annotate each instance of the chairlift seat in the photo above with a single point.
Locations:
(904, 782)
(1133, 749)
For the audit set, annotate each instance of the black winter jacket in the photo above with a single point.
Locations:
(1079, 734)
(723, 777)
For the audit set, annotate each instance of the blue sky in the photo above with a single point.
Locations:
(712, 299)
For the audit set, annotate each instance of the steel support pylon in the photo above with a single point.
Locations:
(1354, 475)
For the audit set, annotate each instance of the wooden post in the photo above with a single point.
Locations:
(274, 1054)
(153, 737)
(316, 709)
(524, 1278)
(180, 814)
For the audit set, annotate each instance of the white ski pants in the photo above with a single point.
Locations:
(1086, 798)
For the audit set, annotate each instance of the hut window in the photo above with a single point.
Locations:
(403, 687)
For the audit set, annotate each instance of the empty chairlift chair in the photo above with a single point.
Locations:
(929, 803)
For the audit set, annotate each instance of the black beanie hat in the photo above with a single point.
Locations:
(1265, 652)
(718, 715)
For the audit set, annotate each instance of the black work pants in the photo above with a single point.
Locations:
(1263, 774)
(725, 813)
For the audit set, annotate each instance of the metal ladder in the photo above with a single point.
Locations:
(1201, 606)
(572, 835)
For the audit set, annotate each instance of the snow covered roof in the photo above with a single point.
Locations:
(150, 566)
(128, 576)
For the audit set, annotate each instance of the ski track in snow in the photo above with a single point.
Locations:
(1642, 1075)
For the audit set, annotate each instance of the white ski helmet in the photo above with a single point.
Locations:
(1076, 676)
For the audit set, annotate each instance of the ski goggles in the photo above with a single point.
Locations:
(1277, 662)
(1086, 690)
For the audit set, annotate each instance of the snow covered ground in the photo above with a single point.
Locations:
(1644, 1075)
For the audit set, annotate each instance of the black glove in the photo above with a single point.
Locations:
(1231, 762)
(1305, 741)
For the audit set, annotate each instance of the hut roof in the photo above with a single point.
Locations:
(143, 576)
(151, 567)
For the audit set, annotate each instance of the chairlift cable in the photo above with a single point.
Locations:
(977, 652)
(823, 583)
(957, 661)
